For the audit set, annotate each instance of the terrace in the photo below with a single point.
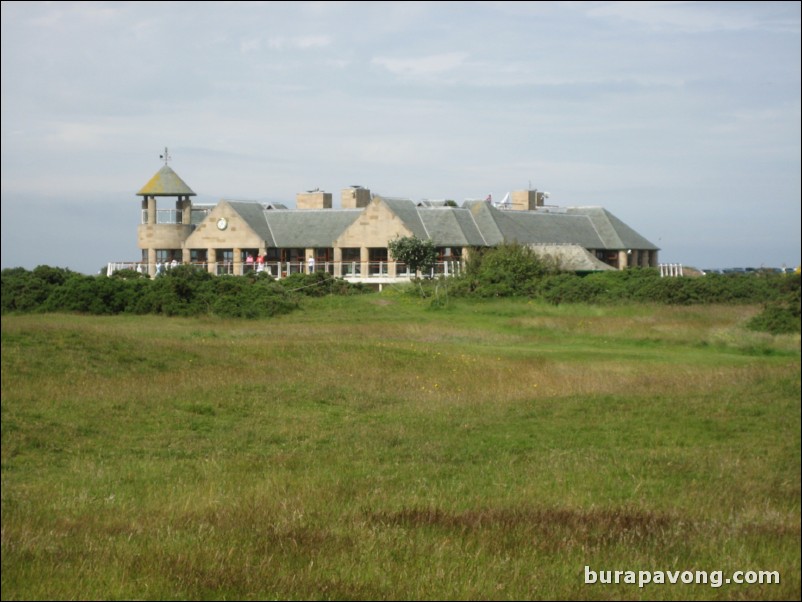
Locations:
(376, 273)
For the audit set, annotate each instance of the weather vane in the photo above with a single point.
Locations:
(165, 156)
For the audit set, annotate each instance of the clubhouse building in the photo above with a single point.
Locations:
(235, 237)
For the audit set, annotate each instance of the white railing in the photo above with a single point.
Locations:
(670, 270)
(350, 270)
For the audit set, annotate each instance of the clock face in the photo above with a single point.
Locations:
(222, 223)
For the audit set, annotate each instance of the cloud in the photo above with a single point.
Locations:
(696, 17)
(250, 45)
(422, 66)
(299, 42)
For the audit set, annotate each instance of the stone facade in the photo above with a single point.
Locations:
(353, 241)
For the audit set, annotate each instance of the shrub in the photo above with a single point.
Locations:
(419, 255)
(319, 284)
(96, 295)
(783, 315)
(506, 270)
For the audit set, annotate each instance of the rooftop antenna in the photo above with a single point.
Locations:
(166, 156)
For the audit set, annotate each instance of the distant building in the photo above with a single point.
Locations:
(352, 242)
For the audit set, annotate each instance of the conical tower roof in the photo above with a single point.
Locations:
(166, 183)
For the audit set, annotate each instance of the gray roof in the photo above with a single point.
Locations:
(533, 227)
(408, 213)
(484, 218)
(166, 183)
(571, 258)
(451, 227)
(540, 227)
(436, 203)
(254, 215)
(475, 224)
(615, 233)
(309, 228)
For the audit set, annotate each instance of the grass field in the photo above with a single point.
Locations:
(371, 447)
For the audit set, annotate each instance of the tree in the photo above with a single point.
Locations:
(508, 269)
(416, 253)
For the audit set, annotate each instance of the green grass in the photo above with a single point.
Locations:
(374, 448)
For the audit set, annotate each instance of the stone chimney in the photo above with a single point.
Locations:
(526, 200)
(313, 199)
(355, 197)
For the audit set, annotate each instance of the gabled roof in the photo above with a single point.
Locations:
(484, 216)
(166, 183)
(571, 258)
(309, 227)
(614, 233)
(408, 213)
(450, 227)
(533, 227)
(528, 227)
(477, 223)
(254, 215)
(288, 229)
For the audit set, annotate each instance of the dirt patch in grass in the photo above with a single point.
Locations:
(569, 526)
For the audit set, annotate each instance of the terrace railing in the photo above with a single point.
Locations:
(350, 270)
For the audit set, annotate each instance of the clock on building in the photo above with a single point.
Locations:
(222, 223)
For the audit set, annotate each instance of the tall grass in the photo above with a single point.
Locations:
(371, 448)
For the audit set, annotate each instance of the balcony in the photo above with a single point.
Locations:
(375, 273)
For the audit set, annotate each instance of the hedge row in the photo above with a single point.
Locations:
(183, 291)
(513, 270)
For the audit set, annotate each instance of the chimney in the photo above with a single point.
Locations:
(355, 197)
(526, 200)
(313, 199)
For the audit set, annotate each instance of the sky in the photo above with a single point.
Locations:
(680, 118)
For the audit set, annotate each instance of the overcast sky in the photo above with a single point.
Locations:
(681, 118)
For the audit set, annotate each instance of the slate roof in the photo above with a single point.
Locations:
(534, 227)
(410, 215)
(615, 233)
(311, 227)
(571, 258)
(451, 227)
(475, 224)
(166, 183)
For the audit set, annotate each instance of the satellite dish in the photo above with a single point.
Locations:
(546, 195)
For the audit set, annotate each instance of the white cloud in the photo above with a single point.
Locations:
(300, 42)
(690, 17)
(250, 45)
(422, 66)
(312, 41)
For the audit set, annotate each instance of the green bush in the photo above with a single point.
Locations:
(506, 270)
(242, 297)
(27, 291)
(783, 315)
(319, 284)
(571, 288)
(419, 255)
(182, 291)
(96, 295)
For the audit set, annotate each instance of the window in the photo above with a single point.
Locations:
(197, 255)
(168, 216)
(351, 254)
(377, 256)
